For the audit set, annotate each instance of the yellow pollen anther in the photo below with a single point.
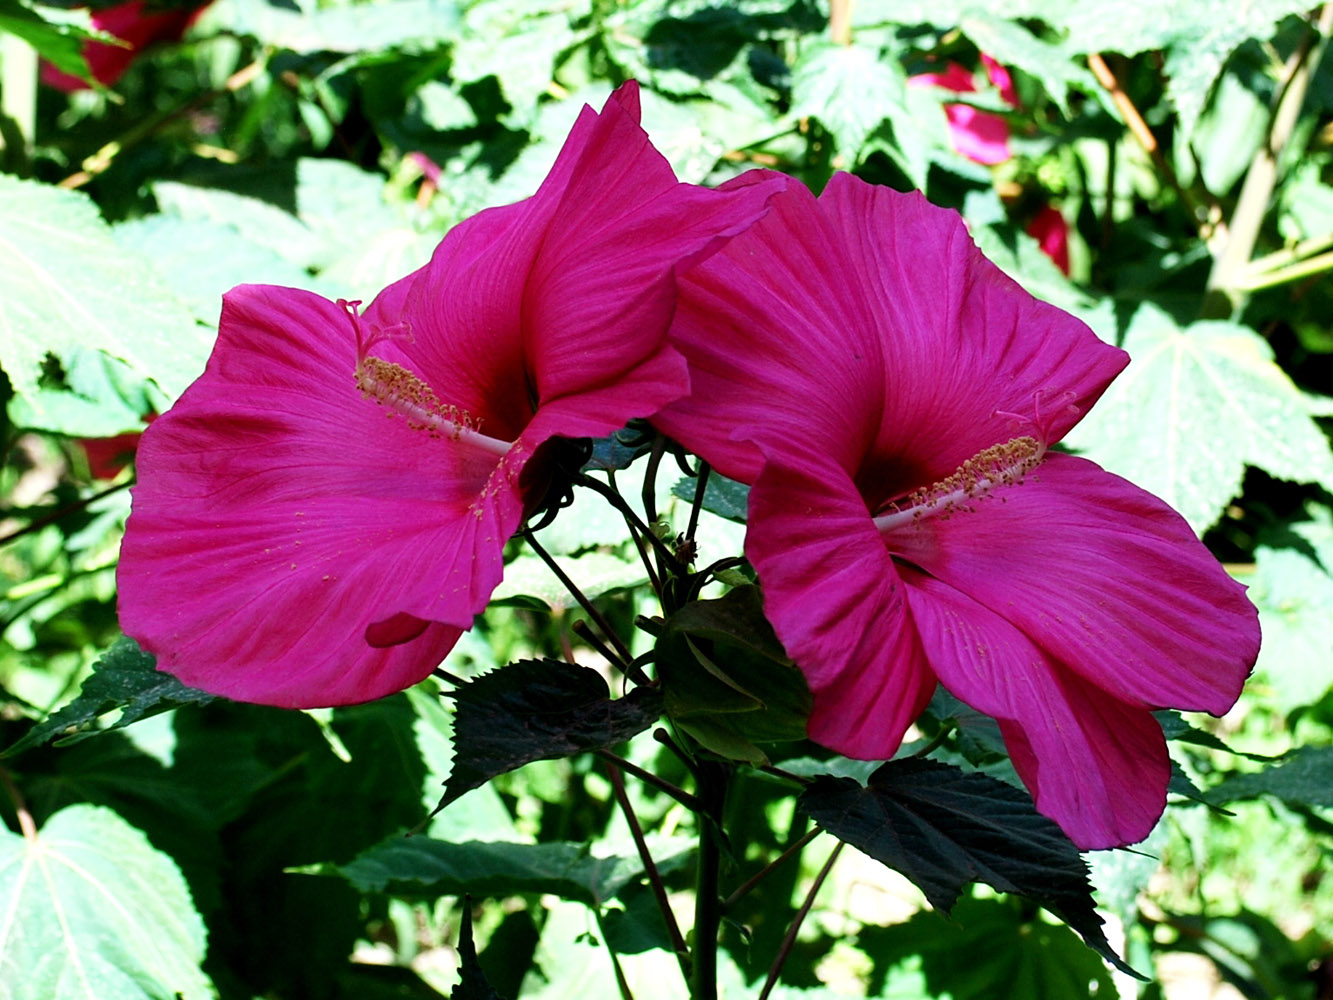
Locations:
(998, 466)
(401, 392)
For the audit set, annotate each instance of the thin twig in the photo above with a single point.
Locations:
(26, 823)
(790, 939)
(663, 737)
(1145, 138)
(678, 944)
(587, 605)
(700, 489)
(768, 869)
(622, 984)
(54, 516)
(619, 503)
(584, 631)
(689, 801)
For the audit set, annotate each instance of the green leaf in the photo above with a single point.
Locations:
(59, 44)
(124, 678)
(1013, 45)
(424, 868)
(1302, 778)
(1195, 406)
(1178, 730)
(93, 912)
(1003, 943)
(1293, 590)
(943, 828)
(309, 26)
(848, 88)
(726, 678)
(472, 983)
(1195, 59)
(68, 285)
(538, 710)
(722, 496)
(200, 259)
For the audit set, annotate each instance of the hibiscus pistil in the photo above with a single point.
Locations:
(400, 391)
(1000, 465)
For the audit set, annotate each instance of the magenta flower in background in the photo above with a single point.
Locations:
(893, 397)
(324, 510)
(138, 25)
(1049, 228)
(981, 136)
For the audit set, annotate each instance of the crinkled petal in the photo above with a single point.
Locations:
(562, 301)
(283, 522)
(1104, 578)
(838, 605)
(970, 358)
(1094, 764)
(781, 344)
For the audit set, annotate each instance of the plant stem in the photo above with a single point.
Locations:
(26, 824)
(619, 503)
(56, 515)
(587, 606)
(768, 869)
(622, 984)
(689, 801)
(1145, 138)
(584, 631)
(1267, 279)
(700, 488)
(712, 778)
(678, 944)
(794, 929)
(840, 21)
(1224, 289)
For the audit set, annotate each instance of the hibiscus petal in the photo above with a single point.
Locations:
(964, 347)
(835, 600)
(1094, 764)
(781, 344)
(1104, 578)
(281, 518)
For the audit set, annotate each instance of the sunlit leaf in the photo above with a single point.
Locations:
(93, 912)
(125, 678)
(1195, 406)
(67, 285)
(1304, 777)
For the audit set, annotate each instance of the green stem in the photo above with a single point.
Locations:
(712, 778)
(1224, 292)
(1289, 255)
(56, 515)
(622, 984)
(689, 801)
(26, 824)
(790, 940)
(1268, 279)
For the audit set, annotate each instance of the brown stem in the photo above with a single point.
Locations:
(1145, 138)
(790, 940)
(26, 823)
(689, 801)
(54, 516)
(768, 869)
(678, 944)
(840, 21)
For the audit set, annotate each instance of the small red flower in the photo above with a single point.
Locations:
(136, 24)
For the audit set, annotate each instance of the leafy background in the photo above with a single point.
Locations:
(244, 852)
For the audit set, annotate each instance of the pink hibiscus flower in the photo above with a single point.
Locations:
(981, 136)
(893, 397)
(138, 26)
(323, 512)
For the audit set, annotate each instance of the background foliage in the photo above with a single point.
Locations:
(243, 852)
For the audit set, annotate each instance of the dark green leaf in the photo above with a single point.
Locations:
(944, 828)
(124, 678)
(1302, 778)
(1003, 943)
(726, 678)
(722, 496)
(420, 867)
(59, 44)
(472, 984)
(538, 710)
(1176, 728)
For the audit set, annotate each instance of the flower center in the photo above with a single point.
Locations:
(976, 479)
(400, 391)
